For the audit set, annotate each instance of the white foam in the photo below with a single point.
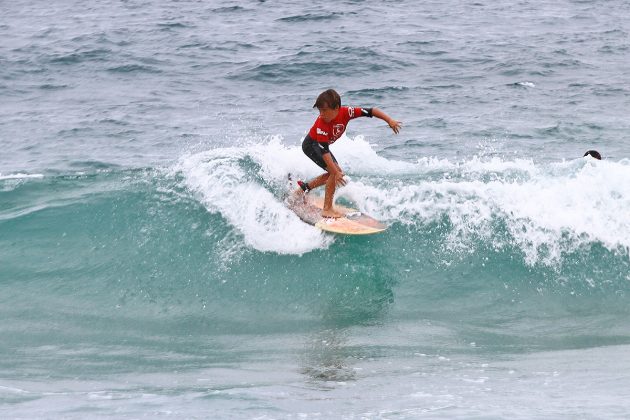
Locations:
(20, 176)
(547, 209)
(221, 180)
(356, 155)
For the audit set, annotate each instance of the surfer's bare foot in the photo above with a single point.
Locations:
(331, 213)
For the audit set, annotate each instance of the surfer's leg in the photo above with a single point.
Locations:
(314, 152)
(323, 178)
(318, 182)
(327, 161)
(304, 187)
(335, 177)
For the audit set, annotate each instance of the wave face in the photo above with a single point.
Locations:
(214, 229)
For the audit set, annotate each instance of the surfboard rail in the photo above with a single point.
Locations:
(309, 207)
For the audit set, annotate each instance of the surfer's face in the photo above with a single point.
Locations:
(328, 114)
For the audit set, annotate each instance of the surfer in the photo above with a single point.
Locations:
(594, 154)
(329, 126)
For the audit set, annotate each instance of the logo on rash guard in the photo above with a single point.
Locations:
(321, 132)
(351, 112)
(338, 130)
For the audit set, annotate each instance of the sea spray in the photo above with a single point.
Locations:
(546, 210)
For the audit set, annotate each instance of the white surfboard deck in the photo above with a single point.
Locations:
(309, 207)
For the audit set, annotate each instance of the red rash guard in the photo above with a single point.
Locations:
(323, 132)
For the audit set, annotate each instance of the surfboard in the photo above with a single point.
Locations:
(309, 207)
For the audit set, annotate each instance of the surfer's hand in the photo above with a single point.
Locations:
(394, 125)
(340, 180)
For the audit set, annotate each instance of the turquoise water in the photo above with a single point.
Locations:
(150, 268)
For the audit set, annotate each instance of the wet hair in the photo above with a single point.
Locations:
(593, 153)
(328, 98)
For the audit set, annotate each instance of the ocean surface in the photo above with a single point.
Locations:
(149, 266)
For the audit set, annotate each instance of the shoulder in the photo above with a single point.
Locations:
(352, 112)
(348, 112)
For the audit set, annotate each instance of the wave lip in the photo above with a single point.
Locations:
(231, 182)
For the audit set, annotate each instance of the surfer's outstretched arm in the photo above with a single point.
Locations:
(393, 124)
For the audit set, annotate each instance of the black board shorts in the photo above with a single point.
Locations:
(316, 151)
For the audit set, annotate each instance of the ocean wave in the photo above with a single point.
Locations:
(311, 17)
(229, 9)
(547, 214)
(546, 211)
(378, 93)
(98, 54)
(20, 176)
(175, 25)
(134, 68)
(317, 62)
(213, 232)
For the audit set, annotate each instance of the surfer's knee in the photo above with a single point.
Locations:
(333, 177)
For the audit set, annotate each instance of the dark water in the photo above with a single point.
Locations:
(150, 268)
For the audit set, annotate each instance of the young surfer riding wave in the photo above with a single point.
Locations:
(329, 126)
